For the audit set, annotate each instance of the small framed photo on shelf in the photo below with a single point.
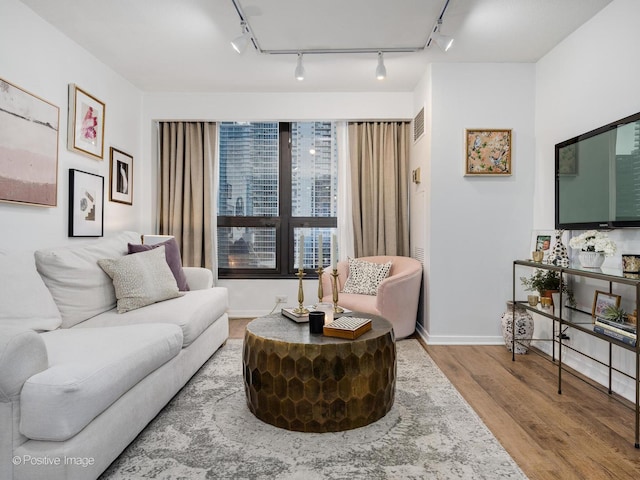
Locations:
(603, 300)
(85, 132)
(487, 152)
(121, 177)
(542, 241)
(86, 204)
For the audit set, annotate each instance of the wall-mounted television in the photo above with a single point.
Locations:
(598, 177)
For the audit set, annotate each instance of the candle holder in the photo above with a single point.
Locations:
(320, 271)
(336, 308)
(301, 310)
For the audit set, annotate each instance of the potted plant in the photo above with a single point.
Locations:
(546, 282)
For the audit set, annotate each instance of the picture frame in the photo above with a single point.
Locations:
(86, 204)
(85, 133)
(120, 177)
(542, 240)
(29, 128)
(488, 152)
(602, 300)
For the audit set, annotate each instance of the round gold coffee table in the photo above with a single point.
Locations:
(312, 383)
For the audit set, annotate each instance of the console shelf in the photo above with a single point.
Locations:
(567, 317)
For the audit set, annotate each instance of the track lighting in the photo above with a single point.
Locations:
(299, 73)
(240, 43)
(443, 41)
(381, 70)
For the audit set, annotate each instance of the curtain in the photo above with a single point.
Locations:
(345, 214)
(379, 158)
(185, 186)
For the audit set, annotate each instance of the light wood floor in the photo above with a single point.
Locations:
(580, 434)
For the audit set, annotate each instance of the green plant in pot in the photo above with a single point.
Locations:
(546, 282)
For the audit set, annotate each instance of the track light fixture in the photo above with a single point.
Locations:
(381, 70)
(299, 73)
(240, 43)
(443, 41)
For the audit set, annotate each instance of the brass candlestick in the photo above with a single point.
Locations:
(300, 310)
(320, 271)
(336, 308)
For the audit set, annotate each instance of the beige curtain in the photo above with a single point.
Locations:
(185, 181)
(379, 157)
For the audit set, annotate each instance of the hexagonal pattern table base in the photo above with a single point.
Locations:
(313, 383)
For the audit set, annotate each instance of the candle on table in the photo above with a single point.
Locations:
(333, 251)
(320, 259)
(301, 253)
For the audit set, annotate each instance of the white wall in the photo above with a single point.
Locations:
(589, 80)
(478, 225)
(255, 297)
(37, 58)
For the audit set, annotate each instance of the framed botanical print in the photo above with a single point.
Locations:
(86, 204)
(86, 123)
(487, 152)
(121, 177)
(28, 147)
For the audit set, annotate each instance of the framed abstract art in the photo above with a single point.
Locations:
(28, 147)
(86, 123)
(86, 204)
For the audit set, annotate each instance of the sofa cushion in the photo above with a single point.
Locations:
(80, 288)
(172, 253)
(365, 277)
(193, 312)
(89, 369)
(25, 300)
(141, 279)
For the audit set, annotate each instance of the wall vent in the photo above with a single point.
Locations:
(418, 125)
(418, 254)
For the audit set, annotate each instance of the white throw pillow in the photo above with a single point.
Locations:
(25, 301)
(80, 288)
(141, 279)
(365, 277)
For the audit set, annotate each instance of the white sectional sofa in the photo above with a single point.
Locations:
(78, 380)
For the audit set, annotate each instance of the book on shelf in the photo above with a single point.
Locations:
(291, 313)
(614, 328)
(613, 334)
(626, 326)
(347, 327)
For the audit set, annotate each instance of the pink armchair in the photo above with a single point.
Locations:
(397, 297)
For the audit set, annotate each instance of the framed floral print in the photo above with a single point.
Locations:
(86, 123)
(488, 152)
(121, 177)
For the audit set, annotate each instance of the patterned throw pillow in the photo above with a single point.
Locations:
(365, 277)
(141, 279)
(172, 252)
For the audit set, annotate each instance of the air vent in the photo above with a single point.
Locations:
(418, 254)
(418, 125)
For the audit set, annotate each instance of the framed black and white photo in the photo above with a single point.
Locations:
(121, 177)
(86, 204)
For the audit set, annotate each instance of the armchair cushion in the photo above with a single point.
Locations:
(365, 277)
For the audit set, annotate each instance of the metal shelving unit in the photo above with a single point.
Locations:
(567, 317)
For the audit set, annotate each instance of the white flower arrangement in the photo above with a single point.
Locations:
(594, 241)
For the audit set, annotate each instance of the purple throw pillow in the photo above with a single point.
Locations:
(172, 254)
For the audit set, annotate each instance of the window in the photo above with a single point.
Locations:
(277, 181)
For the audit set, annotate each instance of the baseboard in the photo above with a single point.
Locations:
(457, 339)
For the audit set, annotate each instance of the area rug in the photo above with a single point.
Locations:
(207, 432)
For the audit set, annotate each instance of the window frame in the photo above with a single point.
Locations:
(284, 224)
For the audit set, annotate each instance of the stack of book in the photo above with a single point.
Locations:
(622, 331)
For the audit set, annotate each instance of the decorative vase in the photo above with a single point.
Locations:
(559, 255)
(523, 328)
(591, 259)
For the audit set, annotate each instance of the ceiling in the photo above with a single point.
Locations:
(184, 46)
